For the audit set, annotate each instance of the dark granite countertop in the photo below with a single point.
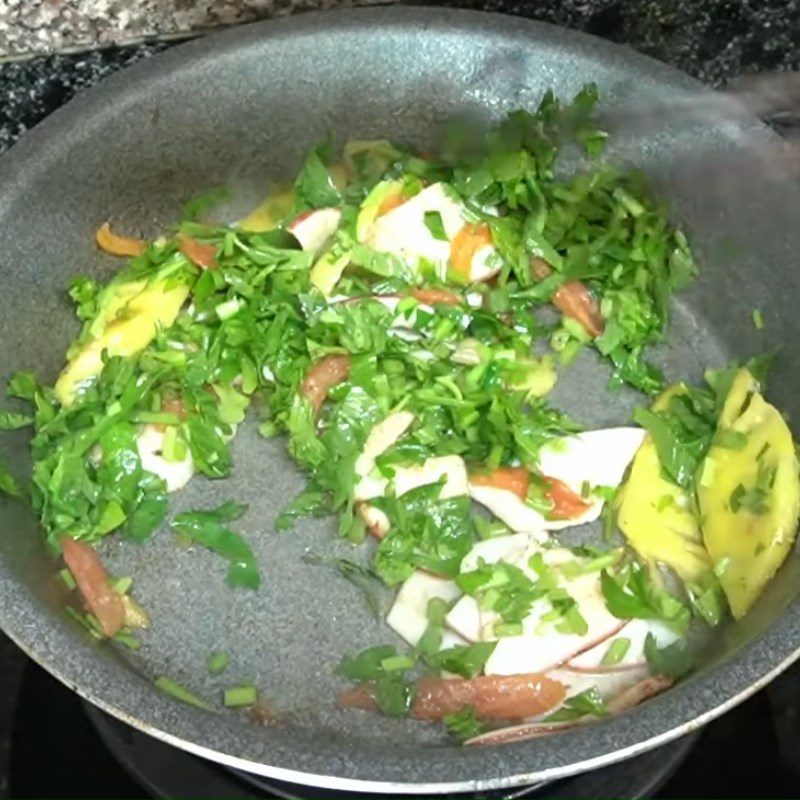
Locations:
(713, 40)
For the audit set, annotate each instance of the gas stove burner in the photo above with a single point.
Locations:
(752, 751)
(168, 772)
(291, 791)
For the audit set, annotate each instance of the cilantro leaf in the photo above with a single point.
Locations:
(208, 529)
(11, 420)
(433, 222)
(464, 660)
(675, 660)
(633, 595)
(463, 724)
(8, 483)
(586, 703)
(314, 185)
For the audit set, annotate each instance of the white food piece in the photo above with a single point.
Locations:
(483, 264)
(541, 646)
(498, 548)
(451, 468)
(636, 631)
(403, 233)
(539, 651)
(382, 436)
(376, 522)
(465, 617)
(508, 507)
(315, 229)
(176, 474)
(599, 458)
(408, 616)
(385, 434)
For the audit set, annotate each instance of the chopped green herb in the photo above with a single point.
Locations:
(207, 528)
(174, 689)
(464, 660)
(586, 703)
(433, 222)
(633, 595)
(758, 319)
(66, 577)
(238, 696)
(127, 639)
(217, 662)
(674, 660)
(395, 663)
(616, 652)
(463, 724)
(11, 421)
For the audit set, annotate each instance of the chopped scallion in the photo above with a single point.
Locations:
(174, 689)
(217, 662)
(240, 696)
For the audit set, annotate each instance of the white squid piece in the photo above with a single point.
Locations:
(408, 616)
(385, 434)
(314, 229)
(593, 458)
(635, 631)
(176, 474)
(403, 233)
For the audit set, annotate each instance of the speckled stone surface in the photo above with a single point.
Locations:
(713, 40)
(29, 27)
(92, 161)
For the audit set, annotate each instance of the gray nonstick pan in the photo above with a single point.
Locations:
(240, 109)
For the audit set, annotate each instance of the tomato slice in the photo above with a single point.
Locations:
(514, 479)
(390, 203)
(433, 297)
(466, 243)
(92, 580)
(574, 300)
(202, 255)
(566, 503)
(322, 377)
(491, 696)
(110, 242)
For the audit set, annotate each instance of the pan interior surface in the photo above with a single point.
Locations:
(241, 109)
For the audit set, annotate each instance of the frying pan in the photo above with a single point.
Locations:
(240, 109)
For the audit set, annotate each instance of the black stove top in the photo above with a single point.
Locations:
(61, 747)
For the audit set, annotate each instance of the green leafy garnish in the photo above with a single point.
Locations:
(208, 529)
(617, 650)
(674, 660)
(174, 689)
(433, 222)
(217, 662)
(238, 696)
(586, 703)
(463, 724)
(392, 692)
(633, 595)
